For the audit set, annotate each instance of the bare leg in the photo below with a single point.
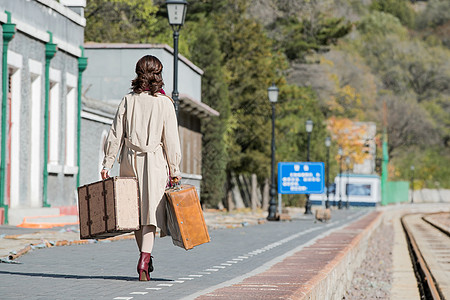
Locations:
(138, 237)
(148, 238)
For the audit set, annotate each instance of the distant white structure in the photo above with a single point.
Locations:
(358, 189)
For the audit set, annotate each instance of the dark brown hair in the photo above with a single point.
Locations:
(148, 75)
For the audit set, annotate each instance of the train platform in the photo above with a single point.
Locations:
(324, 269)
(321, 269)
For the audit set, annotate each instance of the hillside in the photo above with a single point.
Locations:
(334, 61)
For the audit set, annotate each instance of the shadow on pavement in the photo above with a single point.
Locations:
(122, 278)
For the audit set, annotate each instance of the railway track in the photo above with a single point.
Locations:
(428, 238)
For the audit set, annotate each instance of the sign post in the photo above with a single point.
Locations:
(301, 177)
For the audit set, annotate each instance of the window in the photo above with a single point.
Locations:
(358, 189)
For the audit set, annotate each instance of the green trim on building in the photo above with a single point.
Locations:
(9, 29)
(384, 170)
(82, 64)
(50, 51)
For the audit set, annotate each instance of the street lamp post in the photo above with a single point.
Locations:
(176, 10)
(412, 184)
(347, 187)
(340, 152)
(309, 128)
(328, 144)
(272, 93)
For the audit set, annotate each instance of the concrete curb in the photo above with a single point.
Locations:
(336, 277)
(322, 269)
(53, 221)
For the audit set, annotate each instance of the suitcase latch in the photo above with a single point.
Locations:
(105, 218)
(87, 197)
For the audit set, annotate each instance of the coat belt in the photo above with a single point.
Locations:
(146, 149)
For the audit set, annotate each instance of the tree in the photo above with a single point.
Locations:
(125, 21)
(436, 14)
(349, 136)
(434, 21)
(432, 167)
(300, 37)
(439, 110)
(409, 125)
(250, 67)
(205, 49)
(380, 23)
(427, 70)
(295, 106)
(354, 88)
(401, 9)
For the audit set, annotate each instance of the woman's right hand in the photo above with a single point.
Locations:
(104, 174)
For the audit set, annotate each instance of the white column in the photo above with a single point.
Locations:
(53, 124)
(71, 111)
(34, 182)
(15, 66)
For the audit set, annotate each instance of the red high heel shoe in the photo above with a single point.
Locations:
(150, 265)
(143, 266)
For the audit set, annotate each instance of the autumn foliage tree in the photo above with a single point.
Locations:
(350, 137)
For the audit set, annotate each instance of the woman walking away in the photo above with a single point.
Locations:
(145, 129)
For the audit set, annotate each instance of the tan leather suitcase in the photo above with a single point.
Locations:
(185, 219)
(108, 208)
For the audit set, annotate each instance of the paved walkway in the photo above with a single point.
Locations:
(16, 241)
(327, 262)
(108, 270)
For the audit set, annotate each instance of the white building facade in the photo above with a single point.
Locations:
(41, 78)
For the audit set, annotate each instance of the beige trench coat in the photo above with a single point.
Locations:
(146, 128)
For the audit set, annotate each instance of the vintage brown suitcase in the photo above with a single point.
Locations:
(109, 207)
(185, 219)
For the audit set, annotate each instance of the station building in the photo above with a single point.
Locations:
(41, 68)
(59, 97)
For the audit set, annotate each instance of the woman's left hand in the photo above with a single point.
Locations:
(173, 181)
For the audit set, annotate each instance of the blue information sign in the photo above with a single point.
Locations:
(301, 177)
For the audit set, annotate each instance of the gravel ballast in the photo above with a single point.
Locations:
(373, 279)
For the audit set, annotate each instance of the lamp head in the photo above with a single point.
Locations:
(272, 93)
(309, 126)
(176, 10)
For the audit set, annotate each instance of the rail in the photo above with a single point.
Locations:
(426, 282)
